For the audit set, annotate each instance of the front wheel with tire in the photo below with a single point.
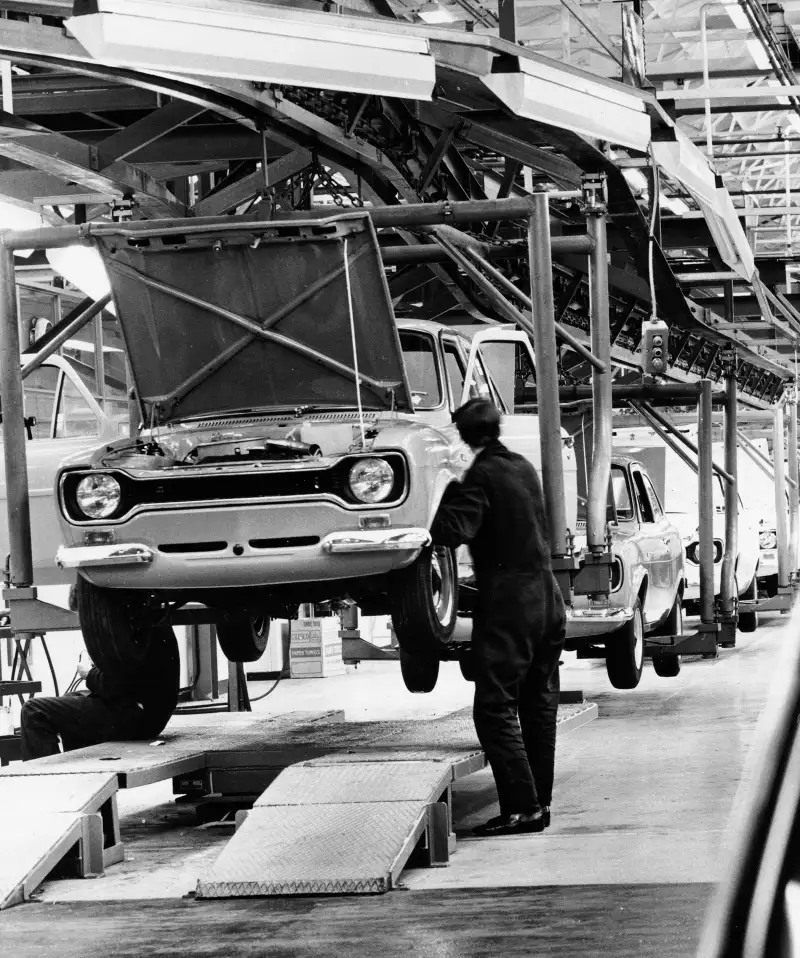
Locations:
(115, 623)
(420, 672)
(625, 652)
(425, 601)
(748, 621)
(243, 636)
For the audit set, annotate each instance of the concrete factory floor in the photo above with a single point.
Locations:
(640, 812)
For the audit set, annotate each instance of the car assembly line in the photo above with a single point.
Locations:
(254, 257)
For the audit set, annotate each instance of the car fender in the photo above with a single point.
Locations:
(633, 571)
(436, 459)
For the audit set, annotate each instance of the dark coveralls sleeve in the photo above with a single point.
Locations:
(461, 513)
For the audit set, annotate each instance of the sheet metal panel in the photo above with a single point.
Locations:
(182, 747)
(352, 848)
(363, 782)
(31, 849)
(24, 795)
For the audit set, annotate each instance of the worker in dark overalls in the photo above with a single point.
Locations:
(132, 691)
(519, 621)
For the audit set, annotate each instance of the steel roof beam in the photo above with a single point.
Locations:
(137, 136)
(732, 106)
(689, 69)
(231, 196)
(75, 162)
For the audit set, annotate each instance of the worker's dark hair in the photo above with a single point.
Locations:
(478, 422)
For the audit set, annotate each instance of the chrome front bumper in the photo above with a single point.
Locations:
(123, 553)
(336, 543)
(379, 540)
(585, 623)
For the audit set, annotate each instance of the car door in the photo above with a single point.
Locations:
(659, 541)
(512, 362)
(64, 419)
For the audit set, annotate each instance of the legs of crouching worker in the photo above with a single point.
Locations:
(78, 719)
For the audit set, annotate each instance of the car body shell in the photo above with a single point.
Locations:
(228, 542)
(676, 483)
(648, 552)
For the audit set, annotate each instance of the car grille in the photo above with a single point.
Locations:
(232, 486)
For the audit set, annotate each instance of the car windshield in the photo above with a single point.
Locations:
(419, 355)
(618, 493)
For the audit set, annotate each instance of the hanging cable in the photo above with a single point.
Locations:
(223, 707)
(355, 350)
(655, 198)
(50, 663)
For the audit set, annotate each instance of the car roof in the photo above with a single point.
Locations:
(425, 325)
(627, 461)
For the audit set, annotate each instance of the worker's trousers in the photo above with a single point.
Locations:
(518, 637)
(80, 719)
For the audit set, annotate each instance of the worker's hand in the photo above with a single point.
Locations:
(84, 669)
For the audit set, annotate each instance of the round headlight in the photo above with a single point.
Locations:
(98, 496)
(768, 540)
(371, 480)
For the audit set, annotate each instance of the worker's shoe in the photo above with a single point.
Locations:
(546, 816)
(517, 823)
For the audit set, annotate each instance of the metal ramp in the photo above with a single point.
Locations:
(67, 803)
(347, 822)
(45, 818)
(336, 829)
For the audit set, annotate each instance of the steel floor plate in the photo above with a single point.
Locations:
(23, 795)
(31, 849)
(398, 753)
(363, 782)
(317, 850)
(181, 748)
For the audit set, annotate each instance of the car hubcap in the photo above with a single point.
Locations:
(442, 584)
(638, 640)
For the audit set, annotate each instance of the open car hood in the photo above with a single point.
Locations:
(228, 315)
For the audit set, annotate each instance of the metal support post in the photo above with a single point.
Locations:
(507, 10)
(100, 362)
(14, 448)
(66, 333)
(794, 490)
(705, 475)
(238, 698)
(596, 519)
(546, 355)
(728, 591)
(781, 526)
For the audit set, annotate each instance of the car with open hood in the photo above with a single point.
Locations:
(295, 443)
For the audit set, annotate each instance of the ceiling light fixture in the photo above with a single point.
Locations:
(436, 13)
(258, 42)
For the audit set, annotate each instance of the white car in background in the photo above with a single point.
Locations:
(760, 491)
(676, 484)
